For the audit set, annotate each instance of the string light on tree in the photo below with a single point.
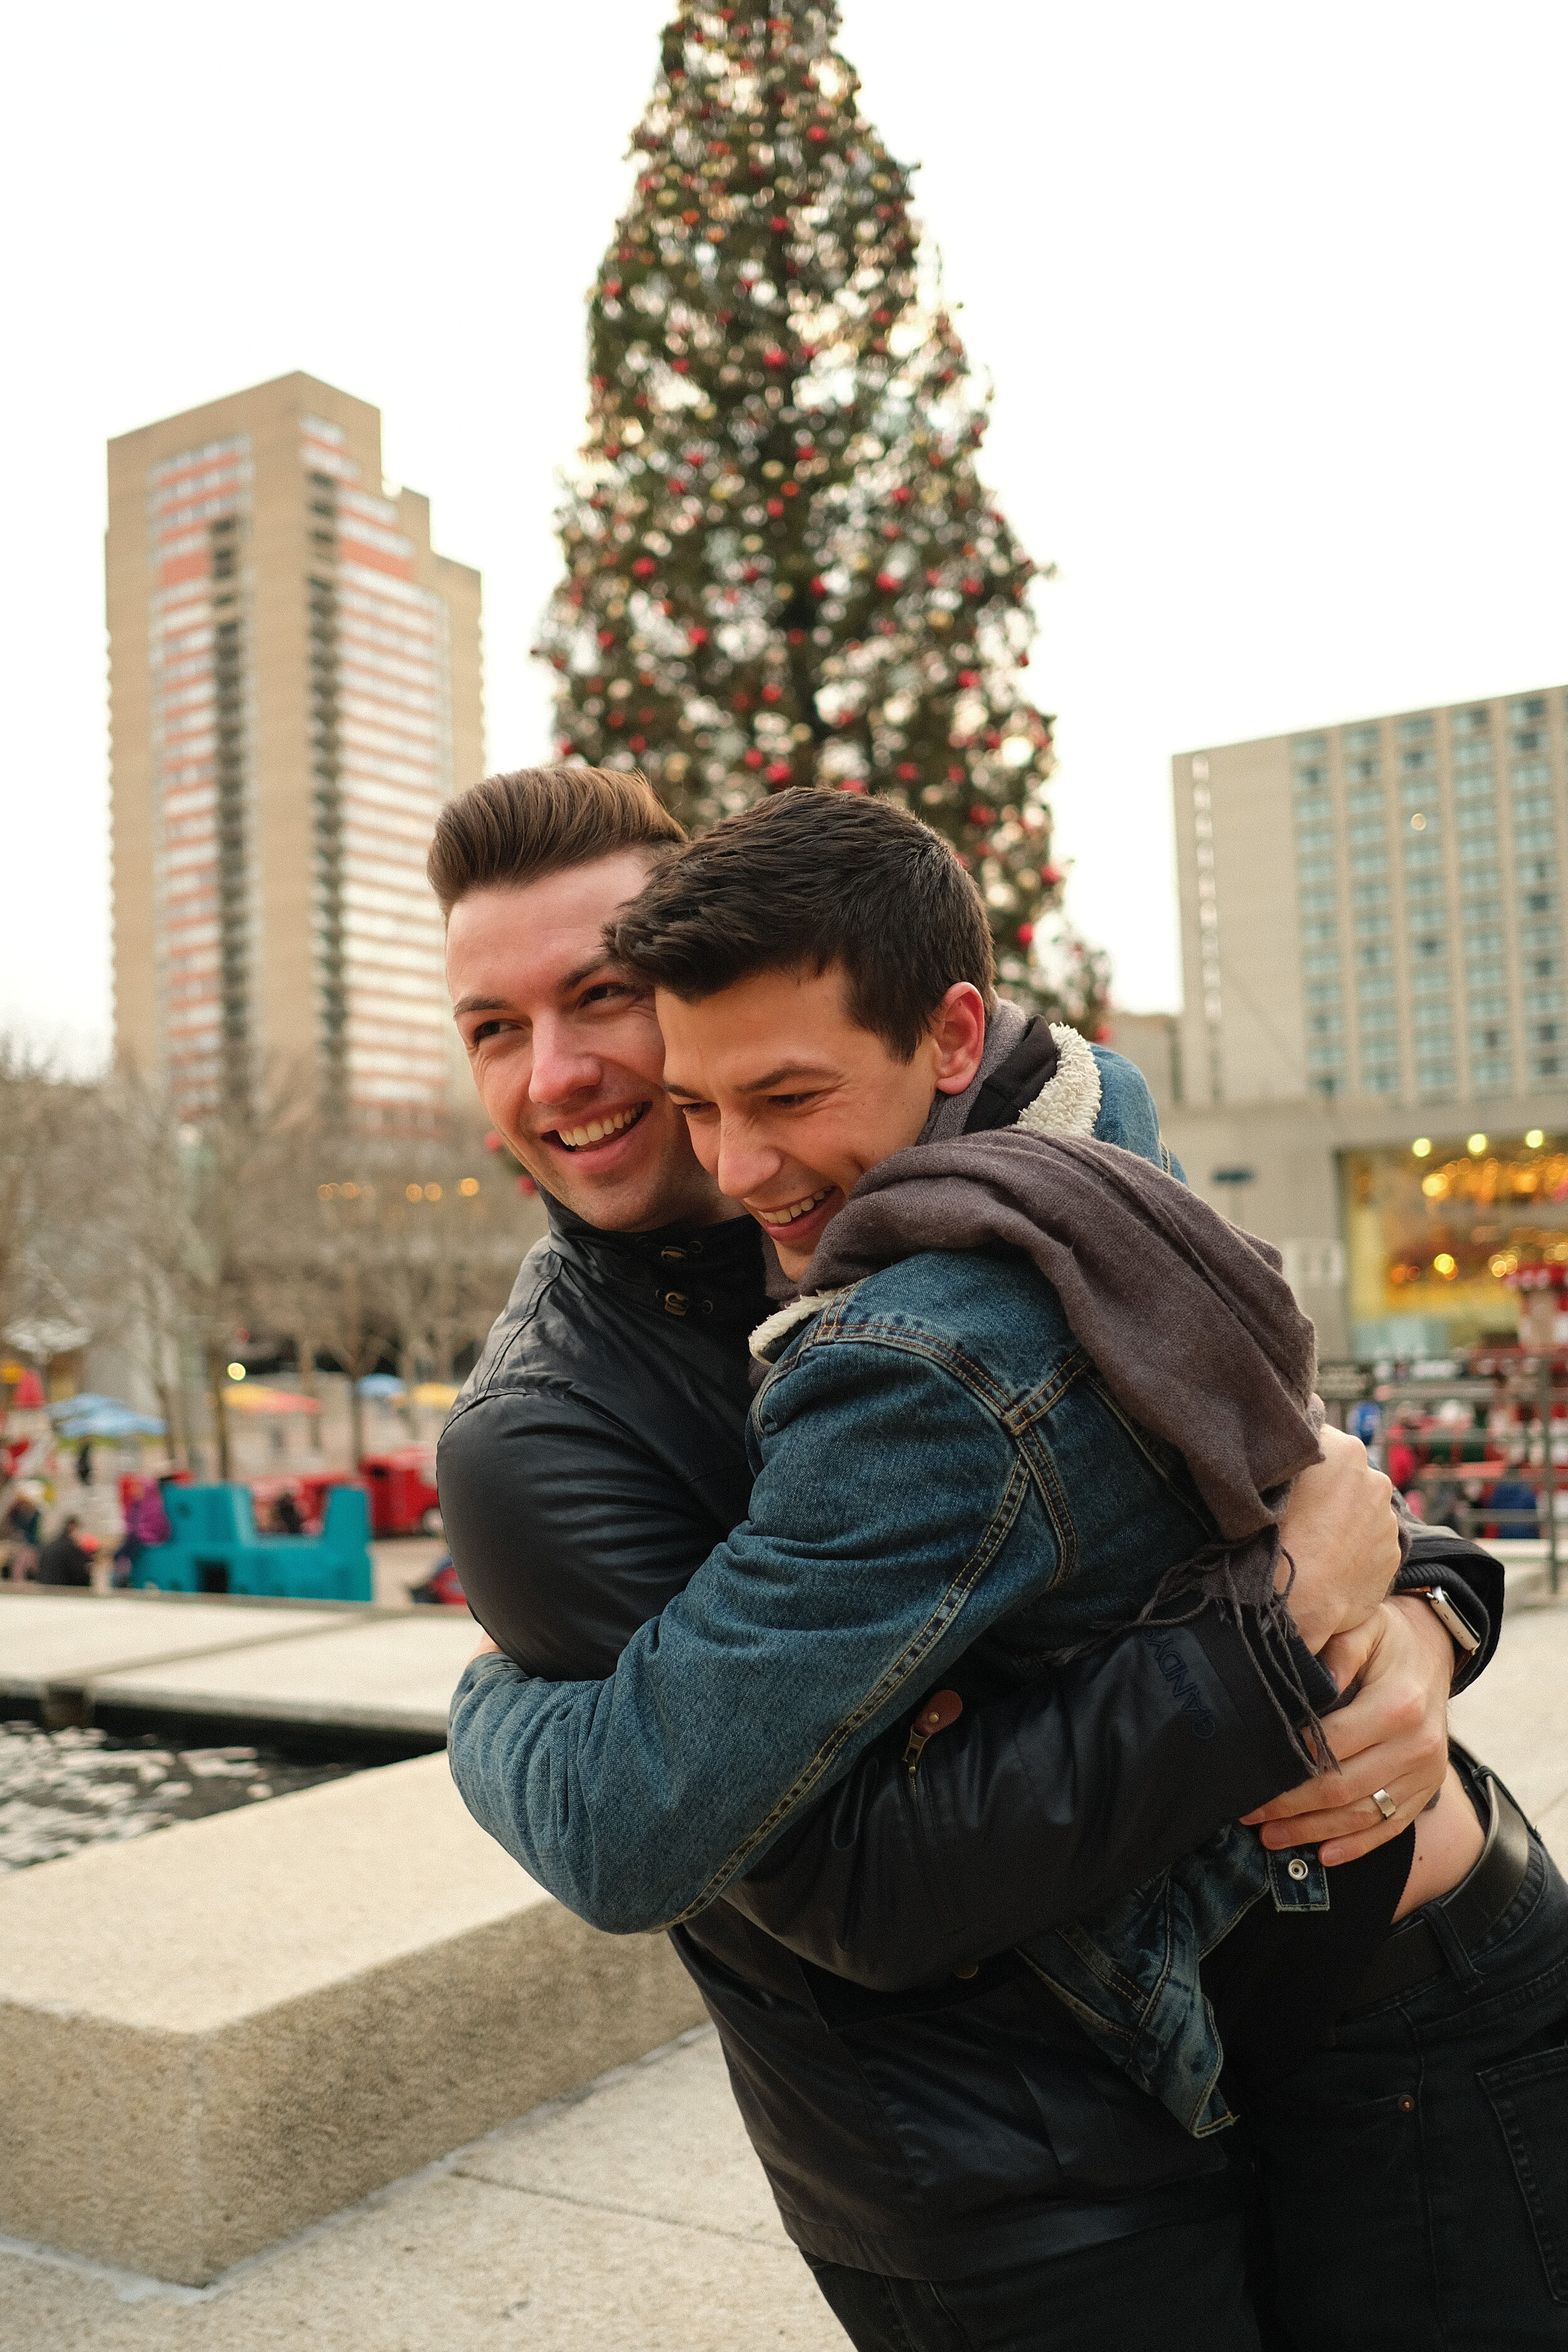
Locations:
(781, 565)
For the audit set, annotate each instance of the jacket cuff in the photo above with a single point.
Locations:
(1477, 1582)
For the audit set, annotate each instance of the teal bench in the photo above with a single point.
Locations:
(214, 1547)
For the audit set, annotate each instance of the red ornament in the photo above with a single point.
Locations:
(637, 743)
(887, 581)
(1051, 875)
(852, 784)
(775, 506)
(969, 677)
(773, 357)
(1026, 934)
(778, 224)
(779, 773)
(816, 134)
(908, 772)
(772, 693)
(607, 636)
(697, 637)
(681, 367)
(644, 566)
(753, 758)
(972, 587)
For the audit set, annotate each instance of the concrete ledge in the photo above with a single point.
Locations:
(218, 2033)
(349, 1667)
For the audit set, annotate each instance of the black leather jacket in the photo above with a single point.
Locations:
(912, 2120)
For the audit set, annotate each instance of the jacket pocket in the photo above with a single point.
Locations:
(1530, 2099)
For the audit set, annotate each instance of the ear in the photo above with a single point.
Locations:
(957, 1031)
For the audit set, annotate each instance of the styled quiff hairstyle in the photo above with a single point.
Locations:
(513, 829)
(808, 880)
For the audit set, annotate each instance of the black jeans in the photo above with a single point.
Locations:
(1414, 2179)
(1179, 2288)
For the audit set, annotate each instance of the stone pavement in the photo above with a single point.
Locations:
(632, 2219)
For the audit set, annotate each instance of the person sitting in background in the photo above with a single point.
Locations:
(22, 1527)
(67, 1558)
(146, 1524)
(286, 1519)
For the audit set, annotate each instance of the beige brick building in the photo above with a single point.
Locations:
(295, 689)
(1372, 1068)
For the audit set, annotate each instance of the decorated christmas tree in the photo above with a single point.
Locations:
(781, 567)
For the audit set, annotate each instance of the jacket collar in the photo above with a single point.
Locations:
(678, 1270)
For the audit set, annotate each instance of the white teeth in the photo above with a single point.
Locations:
(577, 1139)
(799, 1208)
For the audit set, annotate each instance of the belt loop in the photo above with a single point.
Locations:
(1454, 1950)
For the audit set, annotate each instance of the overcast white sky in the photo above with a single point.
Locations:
(1273, 300)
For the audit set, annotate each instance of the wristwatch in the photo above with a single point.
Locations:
(1462, 1634)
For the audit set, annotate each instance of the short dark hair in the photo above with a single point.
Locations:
(808, 879)
(517, 828)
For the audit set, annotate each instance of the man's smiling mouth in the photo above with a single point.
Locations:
(792, 1212)
(596, 1130)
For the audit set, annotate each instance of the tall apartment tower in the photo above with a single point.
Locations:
(1375, 910)
(295, 689)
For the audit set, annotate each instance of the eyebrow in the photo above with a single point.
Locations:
(764, 1084)
(503, 1004)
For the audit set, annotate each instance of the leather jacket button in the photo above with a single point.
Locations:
(972, 1970)
(708, 1306)
(675, 1302)
(1297, 1869)
(672, 1252)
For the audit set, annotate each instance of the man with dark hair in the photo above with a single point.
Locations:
(593, 1462)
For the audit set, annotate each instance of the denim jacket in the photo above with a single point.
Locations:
(938, 1472)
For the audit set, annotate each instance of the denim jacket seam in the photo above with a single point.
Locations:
(915, 1340)
(894, 1678)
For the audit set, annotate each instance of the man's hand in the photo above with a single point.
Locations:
(1341, 1536)
(1393, 1736)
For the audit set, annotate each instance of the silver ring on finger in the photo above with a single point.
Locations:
(1386, 1805)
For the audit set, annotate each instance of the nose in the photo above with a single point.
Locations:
(745, 1163)
(560, 1067)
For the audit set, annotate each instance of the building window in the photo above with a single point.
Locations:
(1526, 709)
(1413, 762)
(1363, 770)
(1471, 722)
(1491, 1077)
(1382, 1079)
(1548, 1066)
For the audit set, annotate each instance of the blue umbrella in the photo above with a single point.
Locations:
(107, 1418)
